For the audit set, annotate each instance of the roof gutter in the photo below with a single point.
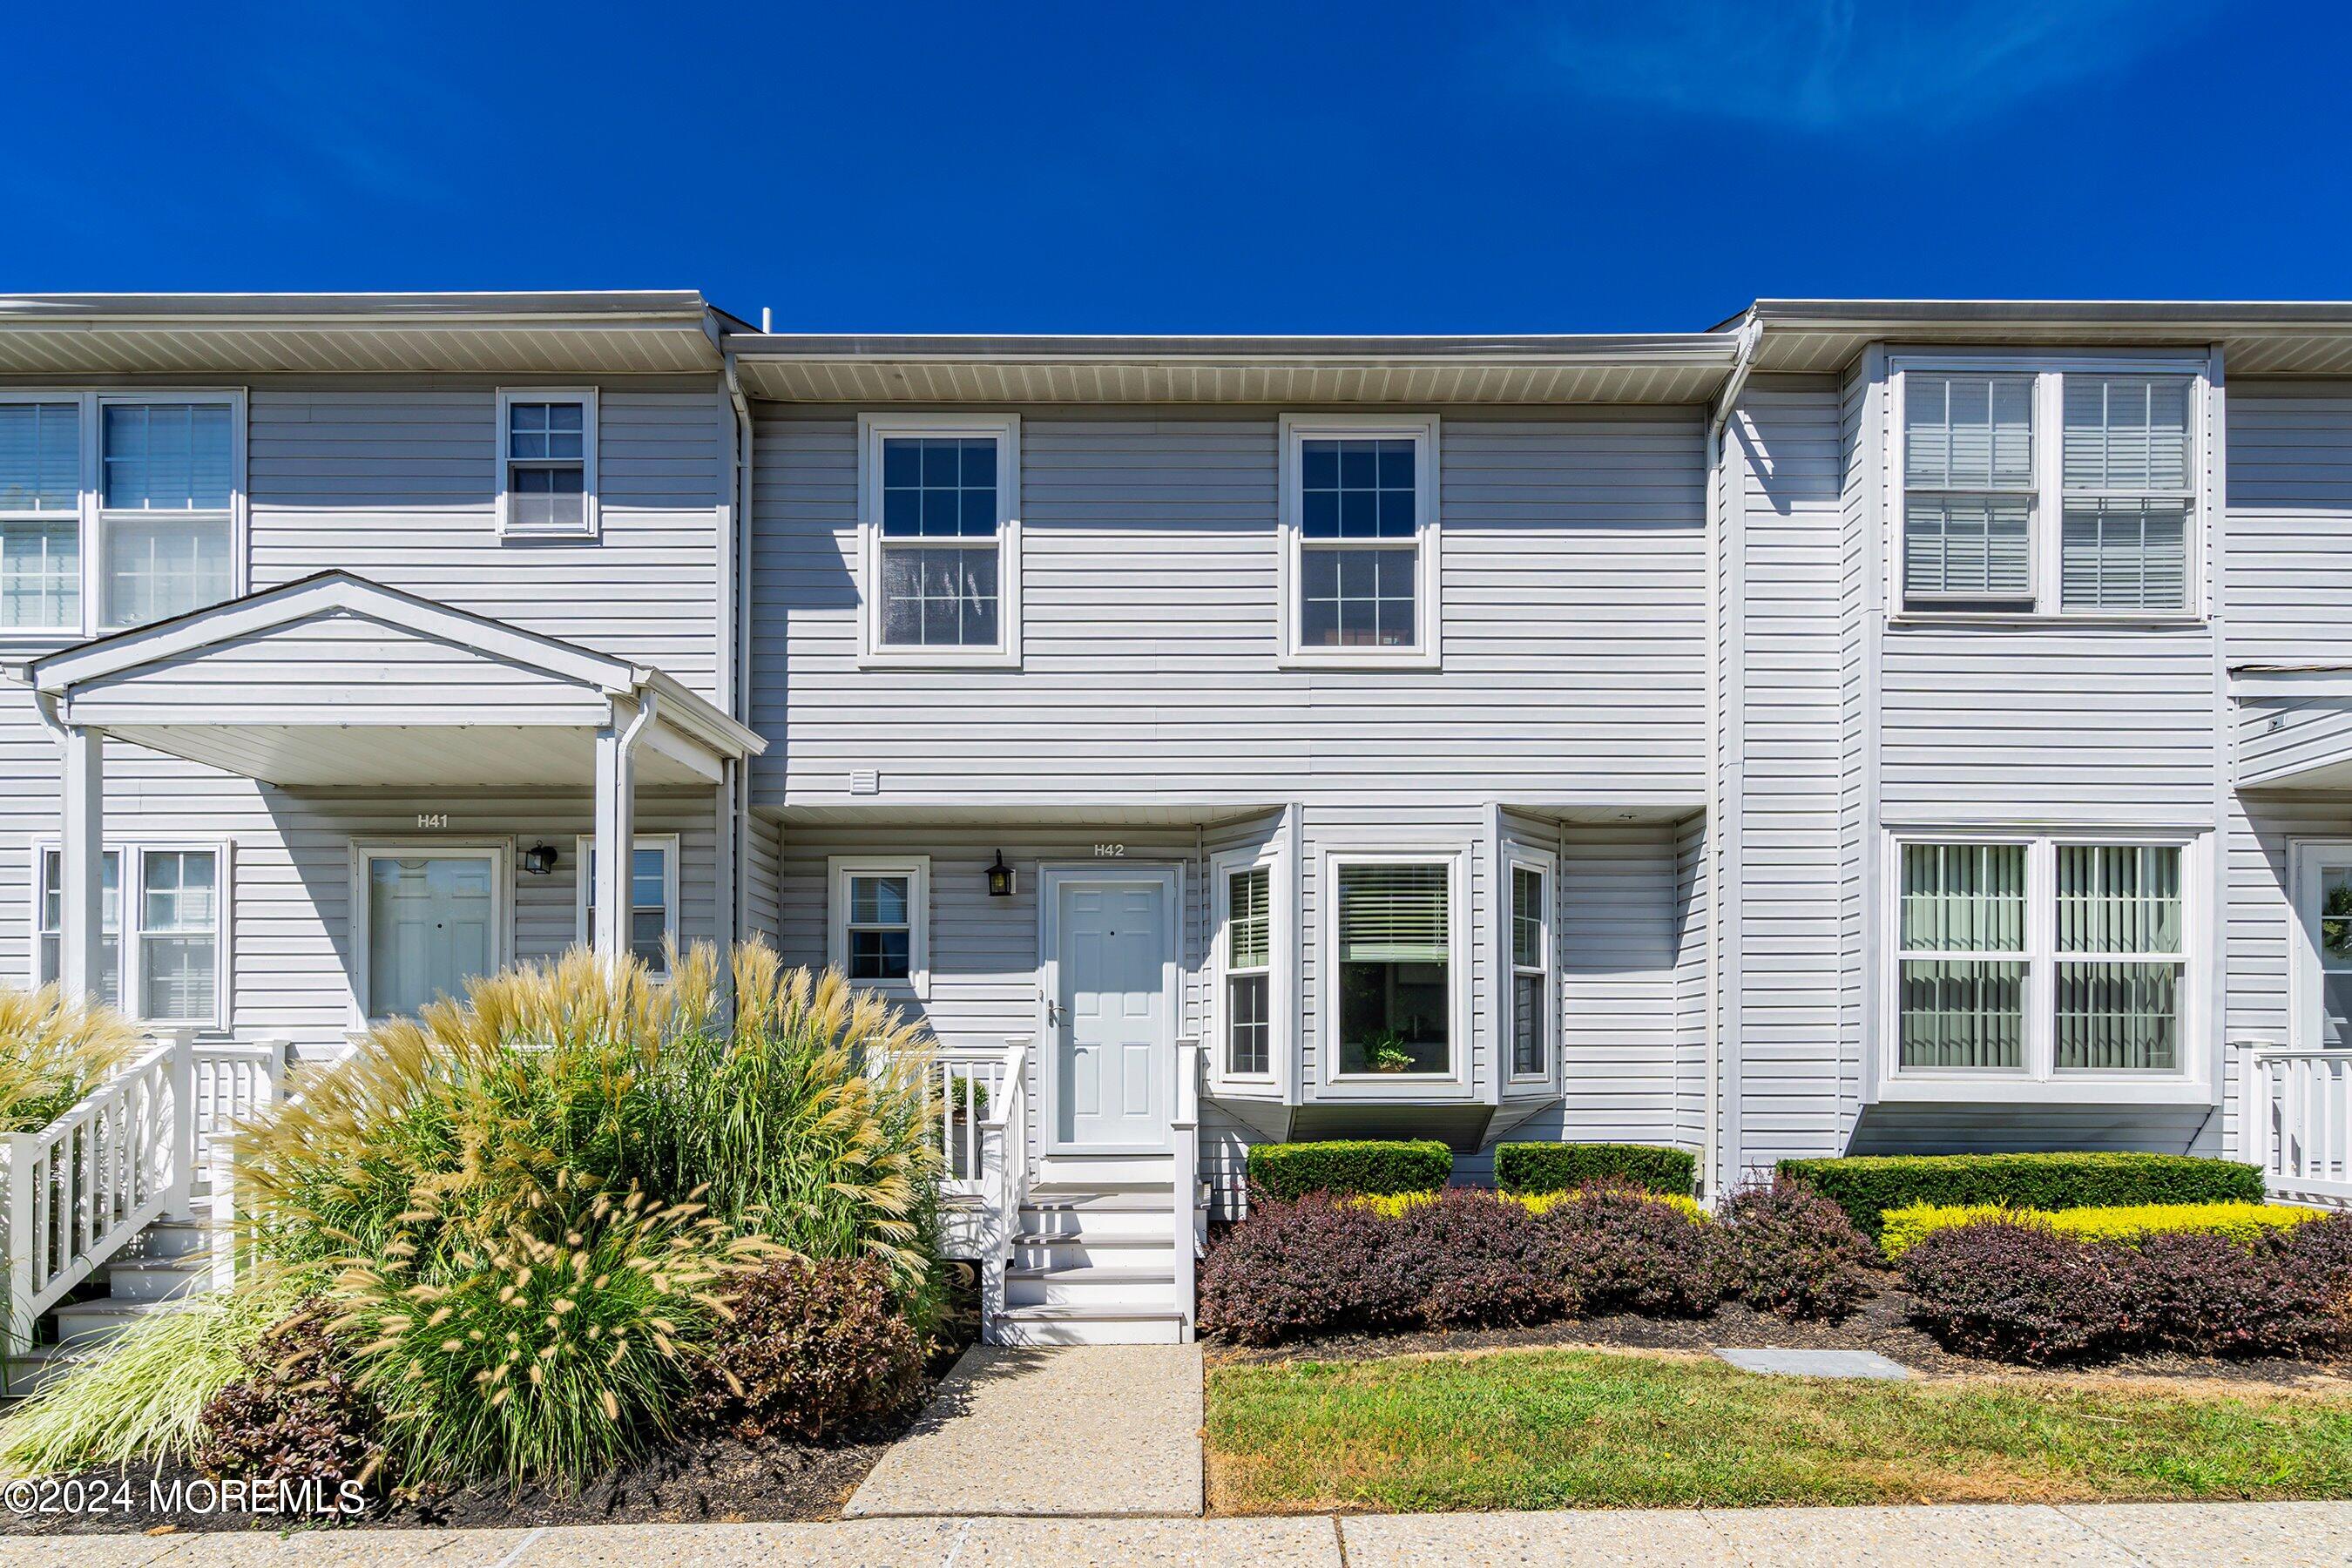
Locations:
(1751, 335)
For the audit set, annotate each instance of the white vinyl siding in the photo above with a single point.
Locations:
(118, 508)
(940, 553)
(547, 463)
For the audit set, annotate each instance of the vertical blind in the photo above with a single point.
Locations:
(2113, 1014)
(1967, 467)
(1392, 914)
(1956, 1012)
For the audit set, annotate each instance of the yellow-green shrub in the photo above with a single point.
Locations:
(1903, 1227)
(1390, 1206)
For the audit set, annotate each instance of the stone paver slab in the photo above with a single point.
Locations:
(2002, 1534)
(88, 1550)
(1102, 1430)
(1309, 1543)
(329, 1548)
(1564, 1540)
(1816, 1363)
(2220, 1535)
(851, 1543)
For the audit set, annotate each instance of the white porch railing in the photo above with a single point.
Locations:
(74, 1193)
(969, 1085)
(2297, 1109)
(1185, 1138)
(234, 1082)
(1003, 1154)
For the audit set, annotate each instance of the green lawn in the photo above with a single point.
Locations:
(1583, 1429)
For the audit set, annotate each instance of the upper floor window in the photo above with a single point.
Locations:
(939, 539)
(2054, 490)
(2042, 957)
(116, 509)
(547, 462)
(1359, 539)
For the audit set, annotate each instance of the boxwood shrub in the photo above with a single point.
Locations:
(1559, 1167)
(1350, 1167)
(1865, 1186)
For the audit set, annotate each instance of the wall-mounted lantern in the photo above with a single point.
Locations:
(1000, 878)
(539, 859)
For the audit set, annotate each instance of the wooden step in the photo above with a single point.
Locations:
(1089, 1326)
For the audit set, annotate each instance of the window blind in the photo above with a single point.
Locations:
(1527, 917)
(40, 456)
(1392, 914)
(1248, 915)
(1963, 897)
(2124, 540)
(1968, 471)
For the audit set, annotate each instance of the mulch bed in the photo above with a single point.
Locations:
(1881, 1323)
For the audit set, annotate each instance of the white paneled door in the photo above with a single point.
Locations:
(1110, 1008)
(432, 926)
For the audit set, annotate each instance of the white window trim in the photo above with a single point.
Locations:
(1460, 914)
(1517, 858)
(499, 852)
(1281, 1025)
(1428, 622)
(89, 516)
(2049, 371)
(591, 523)
(1004, 429)
(917, 870)
(130, 882)
(2305, 857)
(2040, 1082)
(580, 888)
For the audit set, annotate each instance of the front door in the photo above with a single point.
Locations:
(1110, 1011)
(432, 925)
(2322, 876)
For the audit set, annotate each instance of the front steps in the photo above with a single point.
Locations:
(168, 1260)
(1094, 1262)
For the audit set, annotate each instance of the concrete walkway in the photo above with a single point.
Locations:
(1105, 1431)
(2151, 1535)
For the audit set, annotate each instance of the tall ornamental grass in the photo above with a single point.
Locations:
(52, 1052)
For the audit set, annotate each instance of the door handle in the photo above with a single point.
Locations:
(1053, 1014)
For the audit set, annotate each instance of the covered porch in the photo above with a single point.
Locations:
(413, 760)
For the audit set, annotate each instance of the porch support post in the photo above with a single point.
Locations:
(81, 946)
(616, 828)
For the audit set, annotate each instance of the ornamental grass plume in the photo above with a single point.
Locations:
(54, 1051)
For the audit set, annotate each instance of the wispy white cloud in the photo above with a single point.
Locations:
(1824, 65)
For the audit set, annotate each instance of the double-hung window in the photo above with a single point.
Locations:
(2042, 957)
(547, 462)
(880, 933)
(940, 539)
(1393, 961)
(118, 509)
(177, 933)
(2064, 490)
(1360, 540)
(1245, 893)
(653, 897)
(1530, 951)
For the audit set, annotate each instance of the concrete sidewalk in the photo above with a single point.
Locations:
(2150, 1535)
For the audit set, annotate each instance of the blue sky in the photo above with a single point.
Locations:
(1248, 167)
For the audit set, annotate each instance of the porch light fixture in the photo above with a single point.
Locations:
(1000, 878)
(539, 859)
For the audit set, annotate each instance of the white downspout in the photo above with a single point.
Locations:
(735, 614)
(1751, 334)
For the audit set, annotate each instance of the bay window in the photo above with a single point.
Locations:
(1359, 511)
(118, 509)
(2065, 488)
(1393, 961)
(2041, 957)
(1530, 945)
(1246, 993)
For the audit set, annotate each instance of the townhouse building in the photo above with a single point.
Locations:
(1857, 727)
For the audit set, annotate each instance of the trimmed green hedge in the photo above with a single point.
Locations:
(1865, 1186)
(1562, 1167)
(1350, 1167)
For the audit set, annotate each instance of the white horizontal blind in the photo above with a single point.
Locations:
(40, 457)
(40, 515)
(1392, 914)
(1969, 484)
(2125, 462)
(167, 484)
(1250, 918)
